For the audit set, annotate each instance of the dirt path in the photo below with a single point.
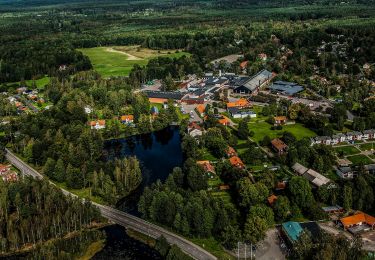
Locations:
(130, 57)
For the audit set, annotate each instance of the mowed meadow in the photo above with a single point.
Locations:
(119, 60)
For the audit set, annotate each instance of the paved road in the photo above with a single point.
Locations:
(124, 219)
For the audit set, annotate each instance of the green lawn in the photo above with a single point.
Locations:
(40, 83)
(367, 146)
(347, 150)
(261, 129)
(114, 61)
(2, 133)
(359, 159)
(212, 246)
(206, 155)
(82, 193)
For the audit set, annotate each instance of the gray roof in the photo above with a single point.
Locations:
(299, 168)
(256, 80)
(165, 94)
(235, 110)
(345, 169)
(287, 88)
(354, 133)
(338, 136)
(369, 131)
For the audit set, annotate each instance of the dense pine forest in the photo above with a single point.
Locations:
(33, 212)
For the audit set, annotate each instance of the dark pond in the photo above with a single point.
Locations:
(120, 246)
(158, 153)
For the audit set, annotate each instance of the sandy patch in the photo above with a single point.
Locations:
(130, 57)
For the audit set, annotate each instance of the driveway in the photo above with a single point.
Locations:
(269, 248)
(190, 109)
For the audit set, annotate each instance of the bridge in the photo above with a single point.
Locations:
(124, 219)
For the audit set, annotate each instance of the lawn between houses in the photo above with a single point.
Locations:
(119, 60)
(262, 129)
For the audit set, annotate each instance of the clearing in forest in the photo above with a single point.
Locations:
(119, 60)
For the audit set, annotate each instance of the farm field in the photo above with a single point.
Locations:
(262, 129)
(359, 159)
(119, 60)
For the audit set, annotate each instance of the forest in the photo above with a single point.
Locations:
(33, 212)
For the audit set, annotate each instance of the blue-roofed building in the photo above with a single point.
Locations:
(286, 88)
(292, 230)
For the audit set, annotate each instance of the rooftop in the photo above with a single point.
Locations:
(257, 80)
(287, 88)
(278, 144)
(292, 230)
(164, 94)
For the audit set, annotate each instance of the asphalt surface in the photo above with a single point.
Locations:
(124, 219)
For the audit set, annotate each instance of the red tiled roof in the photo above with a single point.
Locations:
(224, 121)
(127, 118)
(207, 166)
(244, 64)
(358, 218)
(200, 108)
(278, 144)
(271, 199)
(239, 103)
(280, 118)
(237, 162)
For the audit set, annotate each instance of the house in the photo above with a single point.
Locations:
(224, 187)
(100, 124)
(279, 146)
(262, 56)
(224, 121)
(127, 119)
(240, 103)
(280, 120)
(285, 88)
(333, 209)
(353, 136)
(207, 166)
(316, 178)
(4, 168)
(237, 162)
(243, 65)
(252, 85)
(292, 230)
(281, 185)
(358, 223)
(299, 168)
(345, 172)
(158, 100)
(338, 138)
(272, 199)
(322, 140)
(231, 152)
(194, 129)
(369, 134)
(154, 110)
(370, 168)
(239, 113)
(200, 110)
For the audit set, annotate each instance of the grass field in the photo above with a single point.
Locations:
(347, 150)
(39, 83)
(261, 129)
(367, 146)
(360, 159)
(119, 60)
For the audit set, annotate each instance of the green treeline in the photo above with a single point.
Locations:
(34, 211)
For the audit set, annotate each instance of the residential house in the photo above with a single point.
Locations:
(239, 113)
(262, 56)
(358, 223)
(194, 129)
(237, 162)
(272, 199)
(100, 124)
(333, 209)
(166, 95)
(224, 121)
(345, 172)
(322, 140)
(338, 138)
(154, 111)
(280, 120)
(281, 185)
(279, 146)
(370, 168)
(369, 134)
(200, 110)
(252, 85)
(127, 119)
(353, 136)
(158, 100)
(231, 152)
(207, 166)
(224, 187)
(291, 230)
(243, 65)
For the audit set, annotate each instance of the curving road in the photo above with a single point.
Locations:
(124, 219)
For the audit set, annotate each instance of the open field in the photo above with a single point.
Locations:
(119, 60)
(261, 129)
(39, 83)
(359, 159)
(347, 150)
